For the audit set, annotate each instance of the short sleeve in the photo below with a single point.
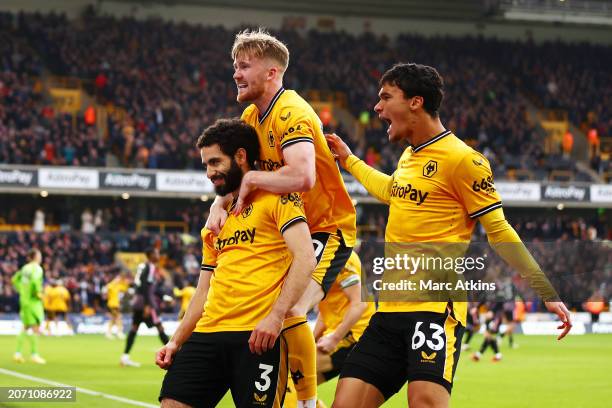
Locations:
(288, 210)
(209, 253)
(295, 125)
(474, 185)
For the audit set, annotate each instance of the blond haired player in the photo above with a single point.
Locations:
(57, 298)
(252, 273)
(114, 292)
(294, 157)
(440, 189)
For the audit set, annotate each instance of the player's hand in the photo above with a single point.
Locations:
(216, 218)
(164, 356)
(339, 149)
(560, 310)
(146, 311)
(247, 186)
(327, 343)
(265, 334)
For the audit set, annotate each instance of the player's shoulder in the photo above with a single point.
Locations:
(292, 105)
(463, 153)
(269, 199)
(249, 112)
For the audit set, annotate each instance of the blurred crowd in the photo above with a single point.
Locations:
(85, 263)
(166, 81)
(571, 250)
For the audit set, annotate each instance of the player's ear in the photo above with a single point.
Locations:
(240, 156)
(272, 72)
(416, 102)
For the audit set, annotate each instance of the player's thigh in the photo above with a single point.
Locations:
(378, 358)
(433, 346)
(331, 255)
(170, 403)
(356, 393)
(257, 380)
(427, 394)
(197, 376)
(31, 316)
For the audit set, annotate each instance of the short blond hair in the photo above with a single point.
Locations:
(259, 43)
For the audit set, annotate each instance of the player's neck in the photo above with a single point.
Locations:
(264, 101)
(429, 130)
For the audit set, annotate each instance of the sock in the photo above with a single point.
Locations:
(470, 334)
(484, 346)
(302, 356)
(162, 334)
(34, 343)
(20, 338)
(130, 341)
(494, 345)
(290, 395)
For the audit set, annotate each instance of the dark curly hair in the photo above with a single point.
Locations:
(417, 80)
(231, 135)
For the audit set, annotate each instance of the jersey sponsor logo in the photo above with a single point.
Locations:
(247, 211)
(485, 184)
(428, 358)
(287, 116)
(294, 198)
(290, 131)
(259, 400)
(270, 165)
(239, 236)
(430, 168)
(408, 192)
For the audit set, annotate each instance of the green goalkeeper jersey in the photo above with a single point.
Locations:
(29, 283)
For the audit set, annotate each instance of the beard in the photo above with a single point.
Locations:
(232, 179)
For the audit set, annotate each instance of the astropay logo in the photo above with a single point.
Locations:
(16, 177)
(127, 180)
(574, 193)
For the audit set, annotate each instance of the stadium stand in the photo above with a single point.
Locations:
(162, 82)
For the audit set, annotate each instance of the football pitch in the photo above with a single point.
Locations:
(576, 372)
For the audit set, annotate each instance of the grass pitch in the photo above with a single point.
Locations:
(573, 373)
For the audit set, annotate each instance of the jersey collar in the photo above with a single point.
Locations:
(274, 99)
(431, 141)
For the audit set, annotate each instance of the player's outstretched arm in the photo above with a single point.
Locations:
(508, 245)
(299, 243)
(297, 175)
(377, 183)
(328, 343)
(218, 214)
(164, 356)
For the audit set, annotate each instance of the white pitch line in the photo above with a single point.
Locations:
(83, 390)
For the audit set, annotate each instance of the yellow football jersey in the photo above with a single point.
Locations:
(58, 299)
(46, 297)
(250, 261)
(437, 193)
(334, 306)
(114, 289)
(290, 119)
(185, 294)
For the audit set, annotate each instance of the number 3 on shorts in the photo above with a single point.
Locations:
(265, 376)
(419, 339)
